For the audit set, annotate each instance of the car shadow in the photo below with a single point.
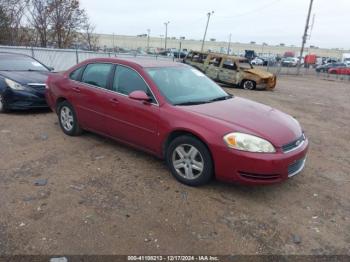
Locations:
(227, 192)
(33, 111)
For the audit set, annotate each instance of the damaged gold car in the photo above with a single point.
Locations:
(231, 70)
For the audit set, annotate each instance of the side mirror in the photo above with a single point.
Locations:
(140, 96)
(51, 68)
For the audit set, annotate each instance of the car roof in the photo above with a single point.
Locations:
(222, 55)
(142, 62)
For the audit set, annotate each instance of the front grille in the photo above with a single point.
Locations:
(259, 177)
(296, 167)
(294, 145)
(37, 86)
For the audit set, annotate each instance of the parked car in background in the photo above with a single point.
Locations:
(268, 60)
(179, 54)
(339, 70)
(250, 54)
(289, 62)
(257, 61)
(310, 60)
(175, 112)
(231, 70)
(324, 68)
(22, 82)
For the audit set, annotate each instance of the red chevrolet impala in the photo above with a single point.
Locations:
(175, 112)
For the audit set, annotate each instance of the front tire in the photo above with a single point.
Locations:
(248, 84)
(189, 161)
(68, 119)
(2, 105)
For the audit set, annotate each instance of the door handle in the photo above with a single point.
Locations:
(76, 89)
(114, 101)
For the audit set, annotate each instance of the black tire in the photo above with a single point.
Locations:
(73, 129)
(202, 156)
(248, 84)
(3, 108)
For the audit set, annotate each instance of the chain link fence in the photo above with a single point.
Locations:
(62, 59)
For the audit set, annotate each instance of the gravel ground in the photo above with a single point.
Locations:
(101, 197)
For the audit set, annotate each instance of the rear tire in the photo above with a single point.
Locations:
(248, 84)
(68, 119)
(189, 161)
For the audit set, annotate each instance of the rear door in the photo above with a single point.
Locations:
(91, 96)
(213, 68)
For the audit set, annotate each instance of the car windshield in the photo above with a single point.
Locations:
(186, 86)
(244, 64)
(20, 63)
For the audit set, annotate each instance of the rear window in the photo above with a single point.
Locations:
(20, 63)
(76, 74)
(97, 74)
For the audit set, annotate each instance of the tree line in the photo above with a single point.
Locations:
(46, 23)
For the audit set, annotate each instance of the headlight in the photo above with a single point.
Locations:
(250, 143)
(14, 85)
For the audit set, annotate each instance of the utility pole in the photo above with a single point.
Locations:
(148, 32)
(113, 44)
(206, 28)
(229, 44)
(166, 33)
(304, 36)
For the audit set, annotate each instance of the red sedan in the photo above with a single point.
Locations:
(339, 70)
(175, 112)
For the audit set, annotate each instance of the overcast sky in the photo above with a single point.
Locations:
(270, 21)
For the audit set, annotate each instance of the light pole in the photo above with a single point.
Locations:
(206, 28)
(148, 32)
(229, 44)
(161, 40)
(166, 33)
(113, 44)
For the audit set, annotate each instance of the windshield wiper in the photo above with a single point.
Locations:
(190, 103)
(220, 98)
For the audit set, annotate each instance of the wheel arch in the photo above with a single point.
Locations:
(181, 132)
(59, 100)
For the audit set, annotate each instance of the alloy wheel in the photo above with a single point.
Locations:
(188, 161)
(67, 119)
(248, 85)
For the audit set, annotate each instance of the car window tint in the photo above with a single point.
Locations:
(127, 80)
(97, 74)
(75, 75)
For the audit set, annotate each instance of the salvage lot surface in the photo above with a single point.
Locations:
(102, 197)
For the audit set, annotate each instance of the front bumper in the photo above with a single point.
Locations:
(24, 99)
(267, 84)
(258, 168)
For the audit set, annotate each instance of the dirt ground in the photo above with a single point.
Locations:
(102, 197)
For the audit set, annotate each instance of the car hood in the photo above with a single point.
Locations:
(251, 117)
(258, 72)
(26, 77)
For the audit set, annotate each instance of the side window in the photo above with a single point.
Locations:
(127, 80)
(199, 58)
(97, 74)
(76, 74)
(229, 64)
(215, 61)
